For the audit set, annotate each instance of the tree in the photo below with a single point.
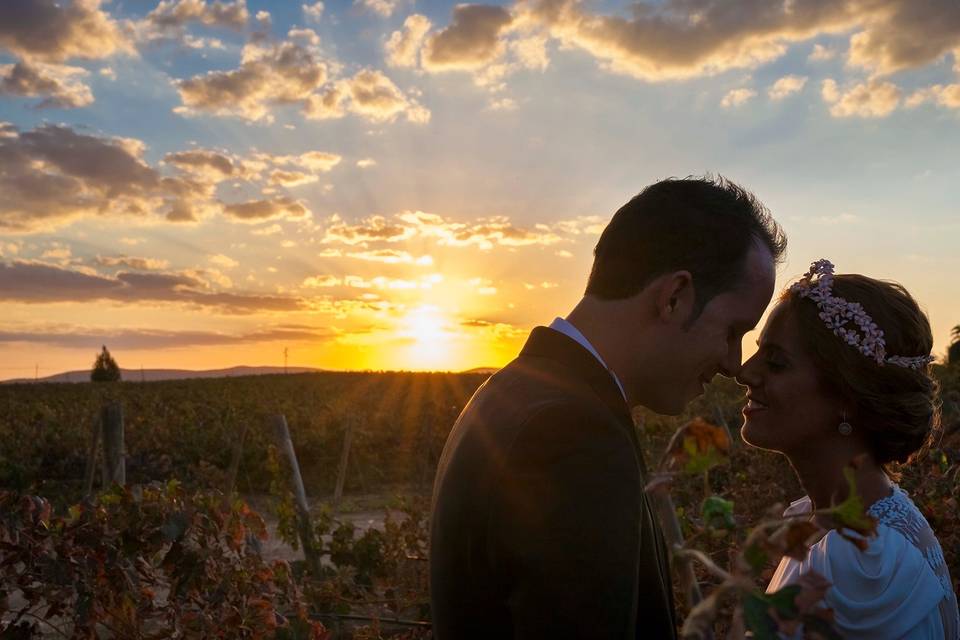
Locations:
(953, 352)
(105, 369)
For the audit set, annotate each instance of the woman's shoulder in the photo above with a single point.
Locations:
(891, 585)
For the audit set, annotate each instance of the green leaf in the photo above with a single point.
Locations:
(784, 601)
(757, 557)
(757, 617)
(717, 512)
(851, 513)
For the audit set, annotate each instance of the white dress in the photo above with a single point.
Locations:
(898, 588)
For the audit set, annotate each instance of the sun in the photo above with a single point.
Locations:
(431, 341)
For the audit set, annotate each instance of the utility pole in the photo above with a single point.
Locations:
(284, 361)
(36, 372)
(141, 374)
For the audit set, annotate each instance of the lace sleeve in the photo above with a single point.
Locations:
(899, 513)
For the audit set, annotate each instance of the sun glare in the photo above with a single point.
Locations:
(426, 328)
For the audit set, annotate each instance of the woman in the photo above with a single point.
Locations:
(842, 373)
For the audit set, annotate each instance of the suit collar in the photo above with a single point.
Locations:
(548, 343)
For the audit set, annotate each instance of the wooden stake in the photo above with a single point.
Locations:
(114, 466)
(91, 467)
(342, 468)
(282, 435)
(235, 463)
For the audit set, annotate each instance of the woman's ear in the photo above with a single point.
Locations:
(675, 296)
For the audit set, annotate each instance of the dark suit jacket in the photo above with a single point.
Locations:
(540, 527)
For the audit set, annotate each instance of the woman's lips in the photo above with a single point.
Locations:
(753, 406)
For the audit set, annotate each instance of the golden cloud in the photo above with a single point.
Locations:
(786, 86)
(942, 95)
(737, 97)
(55, 32)
(679, 39)
(269, 74)
(383, 8)
(472, 39)
(292, 73)
(131, 262)
(403, 47)
(53, 174)
(254, 211)
(35, 282)
(178, 13)
(58, 85)
(205, 164)
(376, 228)
(870, 99)
(374, 96)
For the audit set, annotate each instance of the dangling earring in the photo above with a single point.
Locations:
(845, 428)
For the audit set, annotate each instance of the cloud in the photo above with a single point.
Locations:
(403, 47)
(58, 85)
(870, 99)
(224, 261)
(322, 282)
(376, 228)
(786, 86)
(387, 256)
(79, 337)
(366, 163)
(291, 73)
(313, 160)
(942, 95)
(53, 174)
(205, 164)
(52, 31)
(383, 8)
(821, 53)
(312, 12)
(472, 39)
(131, 262)
(269, 74)
(374, 96)
(34, 282)
(176, 14)
(681, 39)
(737, 97)
(291, 178)
(254, 211)
(905, 34)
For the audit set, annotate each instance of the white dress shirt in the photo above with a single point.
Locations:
(567, 329)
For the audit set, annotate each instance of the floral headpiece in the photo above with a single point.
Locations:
(839, 314)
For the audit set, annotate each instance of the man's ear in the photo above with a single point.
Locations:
(675, 297)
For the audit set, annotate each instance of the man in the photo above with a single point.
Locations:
(540, 527)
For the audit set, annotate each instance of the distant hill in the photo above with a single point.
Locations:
(484, 370)
(149, 375)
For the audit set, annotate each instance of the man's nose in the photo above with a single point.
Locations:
(730, 367)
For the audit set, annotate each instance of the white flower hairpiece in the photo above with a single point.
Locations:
(838, 314)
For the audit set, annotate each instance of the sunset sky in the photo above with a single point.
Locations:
(410, 184)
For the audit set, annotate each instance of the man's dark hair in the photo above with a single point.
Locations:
(702, 225)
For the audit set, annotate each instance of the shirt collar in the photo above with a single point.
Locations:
(567, 329)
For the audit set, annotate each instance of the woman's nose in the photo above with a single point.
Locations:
(748, 375)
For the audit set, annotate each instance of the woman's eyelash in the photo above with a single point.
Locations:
(775, 365)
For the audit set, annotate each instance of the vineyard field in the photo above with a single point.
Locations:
(186, 430)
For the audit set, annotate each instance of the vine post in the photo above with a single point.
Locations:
(344, 458)
(281, 433)
(114, 465)
(235, 456)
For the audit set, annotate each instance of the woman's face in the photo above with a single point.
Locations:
(787, 408)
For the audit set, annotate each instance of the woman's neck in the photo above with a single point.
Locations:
(823, 479)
